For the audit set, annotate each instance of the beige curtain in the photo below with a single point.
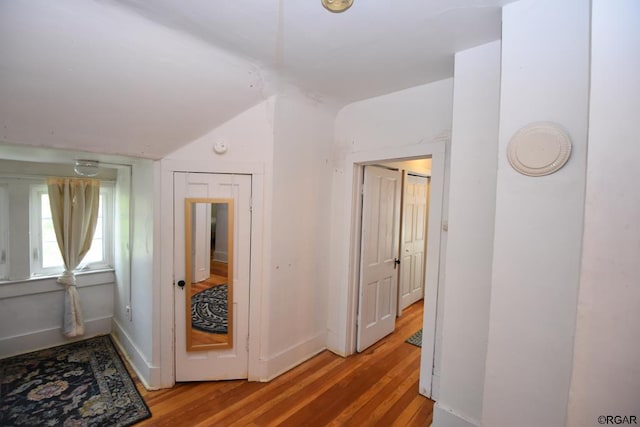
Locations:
(74, 210)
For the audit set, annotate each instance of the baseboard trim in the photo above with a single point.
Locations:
(443, 416)
(292, 357)
(148, 374)
(46, 338)
(335, 345)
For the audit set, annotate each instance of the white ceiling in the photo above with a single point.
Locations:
(143, 77)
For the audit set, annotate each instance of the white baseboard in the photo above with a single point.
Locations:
(292, 357)
(435, 387)
(444, 416)
(148, 374)
(46, 338)
(336, 345)
(221, 256)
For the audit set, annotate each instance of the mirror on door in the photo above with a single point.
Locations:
(209, 273)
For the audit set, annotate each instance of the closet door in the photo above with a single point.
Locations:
(204, 349)
(414, 240)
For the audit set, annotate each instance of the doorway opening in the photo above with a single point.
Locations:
(394, 203)
(436, 239)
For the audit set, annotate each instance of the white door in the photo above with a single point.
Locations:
(201, 254)
(413, 240)
(223, 364)
(379, 254)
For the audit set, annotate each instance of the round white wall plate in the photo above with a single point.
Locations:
(539, 149)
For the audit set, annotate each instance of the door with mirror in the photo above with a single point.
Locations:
(212, 261)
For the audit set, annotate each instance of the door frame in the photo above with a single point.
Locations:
(355, 162)
(162, 368)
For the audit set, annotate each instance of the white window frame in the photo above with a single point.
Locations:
(35, 230)
(4, 231)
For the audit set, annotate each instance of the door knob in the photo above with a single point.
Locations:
(396, 262)
(181, 283)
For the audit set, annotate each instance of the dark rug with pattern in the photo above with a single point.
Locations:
(416, 339)
(209, 310)
(79, 384)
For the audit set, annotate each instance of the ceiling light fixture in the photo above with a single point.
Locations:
(86, 167)
(337, 6)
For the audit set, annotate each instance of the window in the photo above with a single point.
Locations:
(4, 232)
(28, 244)
(45, 253)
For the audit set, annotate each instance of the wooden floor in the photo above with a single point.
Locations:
(377, 387)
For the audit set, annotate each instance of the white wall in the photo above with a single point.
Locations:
(606, 372)
(31, 312)
(134, 330)
(249, 136)
(539, 221)
(298, 265)
(472, 195)
(408, 117)
(250, 139)
(285, 143)
(385, 127)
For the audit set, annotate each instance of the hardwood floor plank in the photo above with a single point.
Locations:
(342, 395)
(254, 407)
(193, 402)
(409, 413)
(401, 405)
(364, 398)
(376, 387)
(378, 407)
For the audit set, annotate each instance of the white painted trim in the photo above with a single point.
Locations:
(354, 162)
(433, 284)
(257, 276)
(46, 338)
(41, 285)
(443, 416)
(293, 356)
(354, 259)
(205, 166)
(165, 313)
(147, 373)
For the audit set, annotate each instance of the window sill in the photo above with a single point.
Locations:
(44, 284)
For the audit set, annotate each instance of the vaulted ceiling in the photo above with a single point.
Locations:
(142, 78)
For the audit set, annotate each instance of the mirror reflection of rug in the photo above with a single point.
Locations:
(83, 383)
(209, 310)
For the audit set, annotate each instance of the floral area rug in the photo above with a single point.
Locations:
(79, 384)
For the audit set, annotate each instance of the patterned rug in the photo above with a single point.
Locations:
(416, 339)
(79, 384)
(209, 310)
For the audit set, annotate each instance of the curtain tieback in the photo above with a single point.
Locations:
(68, 278)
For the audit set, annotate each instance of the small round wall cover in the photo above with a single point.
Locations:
(539, 149)
(220, 147)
